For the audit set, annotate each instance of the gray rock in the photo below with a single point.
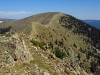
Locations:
(45, 73)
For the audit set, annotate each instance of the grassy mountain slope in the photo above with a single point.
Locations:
(72, 47)
(21, 24)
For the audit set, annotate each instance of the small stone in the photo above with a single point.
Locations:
(45, 73)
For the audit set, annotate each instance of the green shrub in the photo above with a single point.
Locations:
(34, 42)
(38, 44)
(41, 46)
(60, 54)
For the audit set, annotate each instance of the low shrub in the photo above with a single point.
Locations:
(58, 53)
(35, 42)
(38, 44)
(41, 46)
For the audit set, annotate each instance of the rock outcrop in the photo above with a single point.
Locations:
(13, 50)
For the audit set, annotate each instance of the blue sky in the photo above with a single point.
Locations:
(81, 9)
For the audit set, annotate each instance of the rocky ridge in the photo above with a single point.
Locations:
(60, 45)
(19, 56)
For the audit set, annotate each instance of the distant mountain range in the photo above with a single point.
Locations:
(5, 19)
(95, 23)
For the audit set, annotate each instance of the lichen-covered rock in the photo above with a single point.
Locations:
(21, 53)
(13, 50)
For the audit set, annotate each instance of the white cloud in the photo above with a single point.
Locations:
(13, 14)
